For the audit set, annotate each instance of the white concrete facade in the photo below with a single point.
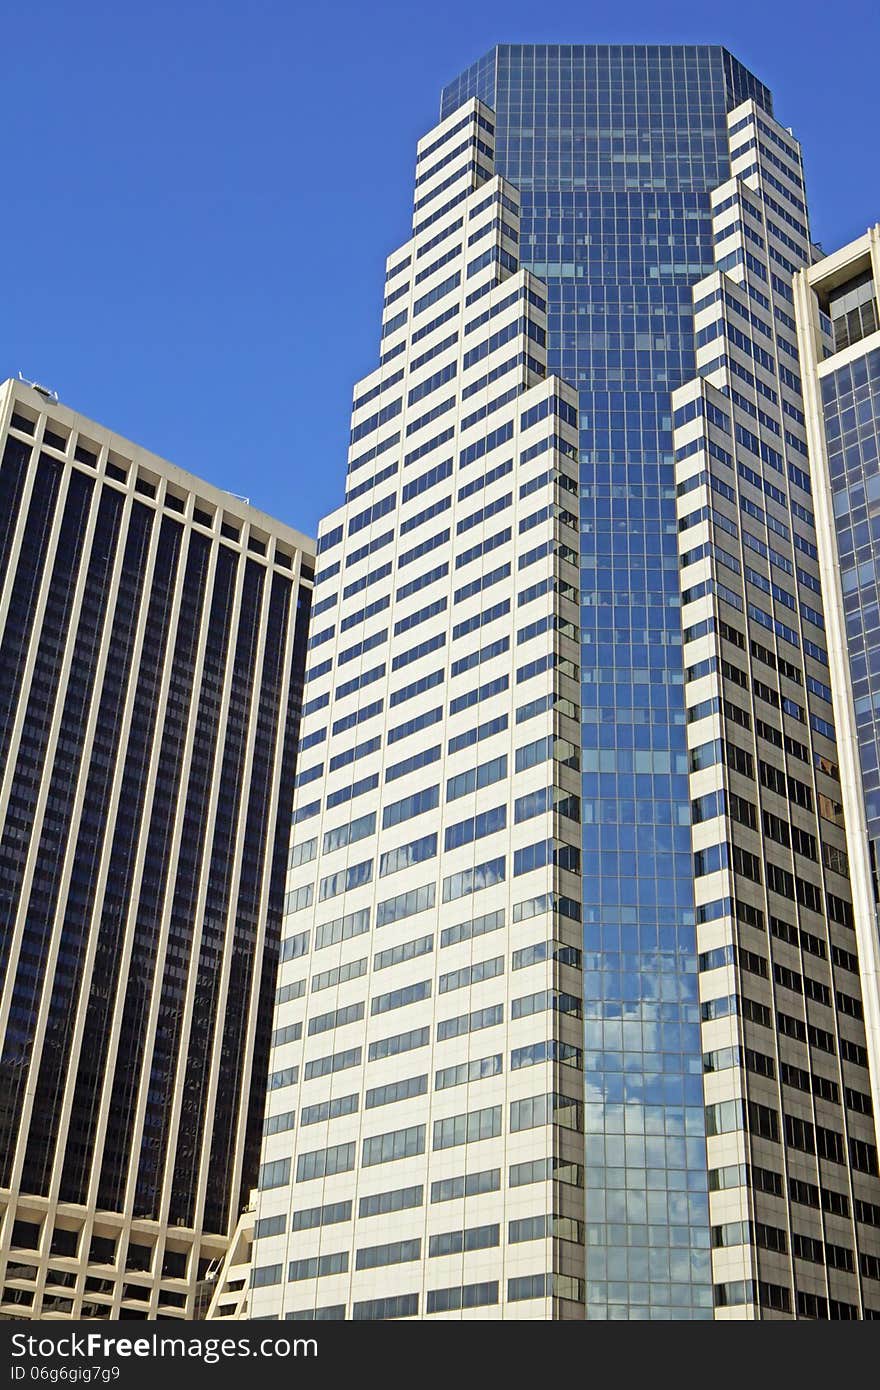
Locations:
(791, 1138)
(423, 1150)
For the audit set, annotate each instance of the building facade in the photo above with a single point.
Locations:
(423, 1152)
(790, 1131)
(836, 303)
(616, 151)
(643, 170)
(729, 1151)
(152, 642)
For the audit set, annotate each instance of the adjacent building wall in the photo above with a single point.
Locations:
(152, 640)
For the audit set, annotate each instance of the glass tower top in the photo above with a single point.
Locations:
(615, 150)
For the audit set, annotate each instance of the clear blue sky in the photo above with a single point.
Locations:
(200, 194)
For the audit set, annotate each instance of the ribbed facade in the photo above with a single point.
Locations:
(423, 1151)
(616, 149)
(152, 641)
(791, 1140)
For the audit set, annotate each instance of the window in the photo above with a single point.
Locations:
(484, 775)
(474, 1185)
(349, 834)
(416, 724)
(405, 905)
(487, 653)
(298, 899)
(480, 620)
(544, 852)
(396, 1253)
(532, 754)
(287, 1076)
(290, 1032)
(466, 1072)
(422, 581)
(458, 1242)
(462, 1296)
(353, 754)
(320, 1163)
(533, 1111)
(471, 974)
(292, 947)
(473, 880)
(378, 1309)
(405, 856)
(545, 950)
(424, 648)
(411, 692)
(395, 1091)
(412, 764)
(481, 583)
(407, 950)
(269, 1226)
(345, 880)
(336, 1018)
(348, 793)
(274, 1174)
(398, 1143)
(401, 1199)
(475, 828)
(546, 999)
(336, 1061)
(467, 1128)
(342, 928)
(303, 853)
(399, 998)
(478, 926)
(414, 805)
(481, 692)
(543, 1169)
(400, 1042)
(309, 1218)
(339, 974)
(279, 1124)
(478, 733)
(317, 1266)
(470, 1023)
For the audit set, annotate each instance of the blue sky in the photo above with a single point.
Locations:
(199, 197)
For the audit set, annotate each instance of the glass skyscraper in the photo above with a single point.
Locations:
(615, 151)
(648, 207)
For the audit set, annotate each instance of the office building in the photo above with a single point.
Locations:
(729, 1146)
(790, 1132)
(615, 150)
(424, 1129)
(152, 642)
(836, 307)
(624, 157)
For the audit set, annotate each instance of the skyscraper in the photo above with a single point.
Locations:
(791, 1140)
(152, 641)
(624, 157)
(424, 1128)
(836, 304)
(730, 1160)
(615, 151)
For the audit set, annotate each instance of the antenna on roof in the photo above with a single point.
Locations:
(43, 390)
